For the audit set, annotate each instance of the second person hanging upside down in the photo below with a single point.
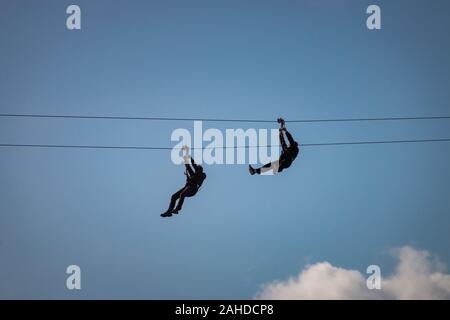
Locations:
(288, 153)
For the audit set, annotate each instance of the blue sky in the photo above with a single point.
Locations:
(100, 209)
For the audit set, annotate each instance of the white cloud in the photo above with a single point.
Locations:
(417, 276)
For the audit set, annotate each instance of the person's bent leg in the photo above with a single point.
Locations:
(174, 199)
(186, 193)
(267, 167)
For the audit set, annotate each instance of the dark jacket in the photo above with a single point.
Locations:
(194, 175)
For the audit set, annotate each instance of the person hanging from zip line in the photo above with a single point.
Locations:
(288, 153)
(194, 179)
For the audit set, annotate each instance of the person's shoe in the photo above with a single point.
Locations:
(251, 170)
(166, 214)
(175, 211)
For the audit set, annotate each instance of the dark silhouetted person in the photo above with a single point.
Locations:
(194, 179)
(288, 154)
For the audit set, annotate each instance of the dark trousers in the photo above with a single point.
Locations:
(284, 162)
(185, 192)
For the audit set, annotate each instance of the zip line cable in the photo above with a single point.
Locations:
(97, 117)
(222, 147)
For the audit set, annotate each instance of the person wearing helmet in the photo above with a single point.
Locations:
(194, 179)
(288, 153)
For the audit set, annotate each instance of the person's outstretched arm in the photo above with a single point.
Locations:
(282, 141)
(290, 138)
(194, 165)
(187, 161)
(189, 169)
